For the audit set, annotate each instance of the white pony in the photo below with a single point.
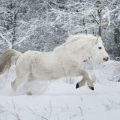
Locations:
(65, 60)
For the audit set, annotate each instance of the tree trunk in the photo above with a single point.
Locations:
(100, 30)
(14, 26)
(99, 15)
(84, 25)
(116, 38)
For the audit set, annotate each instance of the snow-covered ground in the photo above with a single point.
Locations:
(59, 100)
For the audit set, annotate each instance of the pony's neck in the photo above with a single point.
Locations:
(78, 52)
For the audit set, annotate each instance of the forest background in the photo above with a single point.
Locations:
(44, 24)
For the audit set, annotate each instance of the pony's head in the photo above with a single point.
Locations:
(98, 51)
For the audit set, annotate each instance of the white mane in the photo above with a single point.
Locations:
(73, 38)
(81, 39)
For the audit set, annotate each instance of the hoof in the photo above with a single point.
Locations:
(92, 88)
(29, 93)
(77, 85)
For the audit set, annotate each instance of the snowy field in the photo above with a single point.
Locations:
(60, 100)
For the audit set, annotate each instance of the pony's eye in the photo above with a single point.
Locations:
(100, 47)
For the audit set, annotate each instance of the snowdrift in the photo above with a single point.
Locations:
(59, 100)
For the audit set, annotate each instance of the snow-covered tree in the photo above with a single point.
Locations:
(44, 24)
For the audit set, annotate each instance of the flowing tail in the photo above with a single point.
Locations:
(6, 59)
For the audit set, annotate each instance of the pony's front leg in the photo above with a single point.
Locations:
(84, 80)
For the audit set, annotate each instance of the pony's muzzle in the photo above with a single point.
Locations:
(106, 59)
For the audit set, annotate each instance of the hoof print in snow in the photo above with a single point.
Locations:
(92, 88)
(77, 85)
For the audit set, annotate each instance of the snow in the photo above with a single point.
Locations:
(60, 100)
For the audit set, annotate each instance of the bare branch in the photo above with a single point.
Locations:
(95, 19)
(10, 45)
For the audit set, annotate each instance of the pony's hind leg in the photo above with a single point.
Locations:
(84, 80)
(30, 79)
(19, 79)
(15, 83)
(81, 83)
(22, 72)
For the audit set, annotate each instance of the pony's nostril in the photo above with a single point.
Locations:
(106, 59)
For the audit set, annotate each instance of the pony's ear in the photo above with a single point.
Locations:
(97, 39)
